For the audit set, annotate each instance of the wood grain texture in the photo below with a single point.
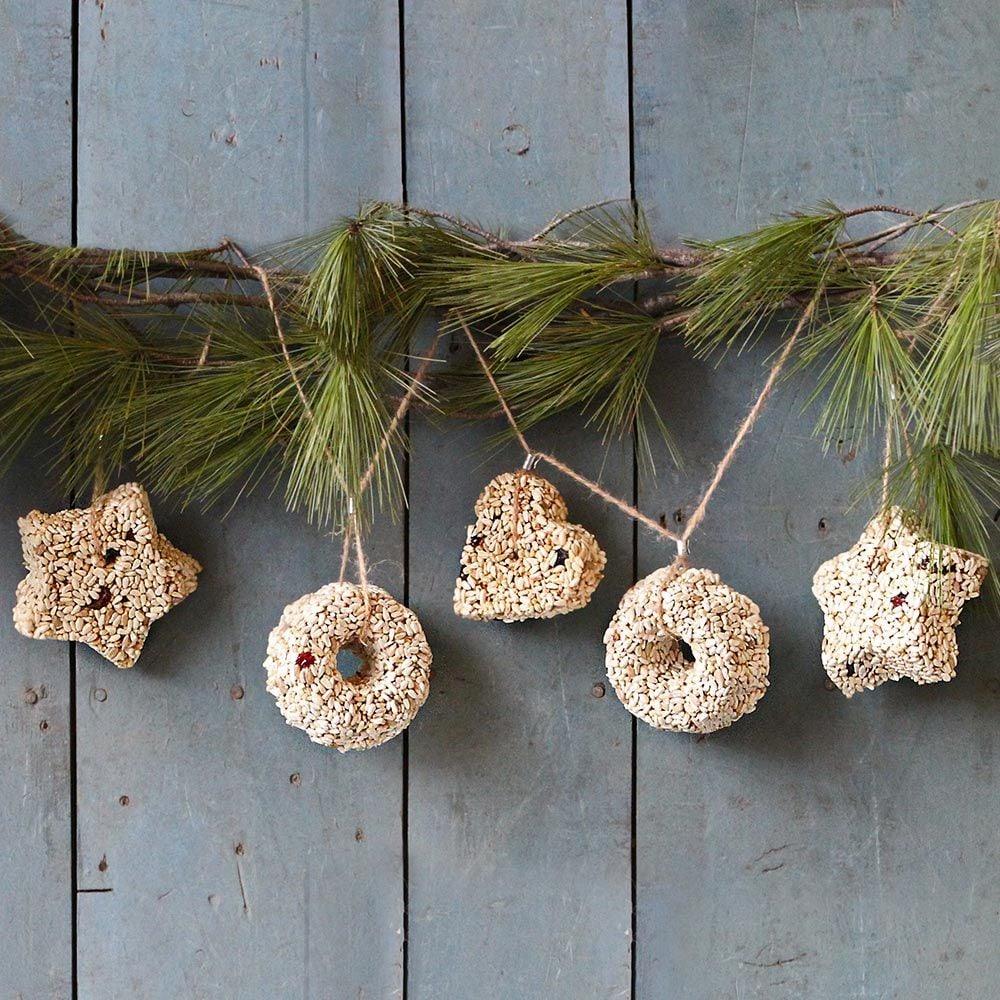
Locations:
(270, 117)
(240, 859)
(744, 110)
(35, 110)
(519, 822)
(820, 848)
(35, 784)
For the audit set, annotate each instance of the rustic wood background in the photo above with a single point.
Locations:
(166, 835)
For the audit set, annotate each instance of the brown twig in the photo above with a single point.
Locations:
(119, 297)
(22, 260)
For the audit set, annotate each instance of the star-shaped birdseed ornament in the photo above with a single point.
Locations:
(892, 603)
(100, 575)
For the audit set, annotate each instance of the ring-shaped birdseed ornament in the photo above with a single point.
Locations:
(686, 652)
(522, 558)
(376, 703)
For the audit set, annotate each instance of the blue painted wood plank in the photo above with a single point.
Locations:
(35, 165)
(821, 847)
(271, 116)
(519, 808)
(242, 859)
(35, 109)
(744, 110)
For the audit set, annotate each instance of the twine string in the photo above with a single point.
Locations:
(748, 421)
(351, 529)
(680, 540)
(501, 399)
(515, 533)
(99, 484)
(608, 498)
(532, 456)
(345, 553)
(358, 550)
(98, 498)
(887, 458)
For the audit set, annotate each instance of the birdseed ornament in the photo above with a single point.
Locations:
(522, 559)
(376, 703)
(100, 575)
(687, 653)
(892, 603)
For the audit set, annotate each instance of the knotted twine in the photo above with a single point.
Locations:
(351, 529)
(681, 539)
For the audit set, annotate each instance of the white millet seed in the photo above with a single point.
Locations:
(100, 575)
(522, 559)
(687, 653)
(891, 605)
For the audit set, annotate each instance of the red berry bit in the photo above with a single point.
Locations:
(899, 600)
(102, 600)
(304, 660)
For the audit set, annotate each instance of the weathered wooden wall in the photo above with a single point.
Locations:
(167, 836)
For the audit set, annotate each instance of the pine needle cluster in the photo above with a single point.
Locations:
(171, 363)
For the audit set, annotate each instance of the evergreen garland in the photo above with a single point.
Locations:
(170, 361)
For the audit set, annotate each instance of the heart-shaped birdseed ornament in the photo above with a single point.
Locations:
(891, 605)
(522, 559)
(687, 653)
(100, 575)
(381, 699)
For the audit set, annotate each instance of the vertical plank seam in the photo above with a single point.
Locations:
(405, 776)
(71, 647)
(633, 728)
(306, 119)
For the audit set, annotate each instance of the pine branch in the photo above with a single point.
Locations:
(174, 362)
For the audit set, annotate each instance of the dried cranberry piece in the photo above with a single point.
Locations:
(102, 600)
(898, 600)
(304, 660)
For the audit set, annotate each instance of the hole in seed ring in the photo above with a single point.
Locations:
(678, 653)
(353, 664)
